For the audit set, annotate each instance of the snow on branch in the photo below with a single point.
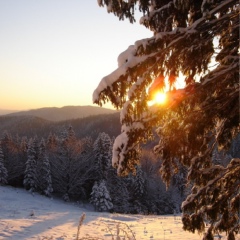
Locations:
(185, 48)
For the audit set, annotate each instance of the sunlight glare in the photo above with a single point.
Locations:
(160, 98)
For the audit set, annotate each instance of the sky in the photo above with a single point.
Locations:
(54, 53)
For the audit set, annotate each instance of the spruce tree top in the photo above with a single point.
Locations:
(198, 39)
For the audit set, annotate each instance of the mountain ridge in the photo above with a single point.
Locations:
(6, 111)
(56, 114)
(30, 126)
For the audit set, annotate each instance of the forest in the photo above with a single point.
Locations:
(75, 165)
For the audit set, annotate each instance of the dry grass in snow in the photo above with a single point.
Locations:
(24, 216)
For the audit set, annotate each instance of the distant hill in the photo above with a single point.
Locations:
(65, 113)
(5, 111)
(31, 126)
(23, 125)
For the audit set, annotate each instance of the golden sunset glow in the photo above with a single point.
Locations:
(42, 68)
(160, 98)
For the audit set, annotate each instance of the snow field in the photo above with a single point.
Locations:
(25, 216)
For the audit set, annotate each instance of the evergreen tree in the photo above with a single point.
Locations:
(83, 174)
(23, 147)
(30, 177)
(65, 164)
(14, 159)
(118, 189)
(102, 151)
(17, 173)
(43, 171)
(8, 149)
(3, 170)
(178, 189)
(52, 142)
(139, 191)
(94, 195)
(100, 197)
(200, 41)
(139, 183)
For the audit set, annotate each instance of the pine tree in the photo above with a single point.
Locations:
(44, 178)
(118, 189)
(139, 183)
(23, 147)
(66, 165)
(200, 41)
(94, 195)
(83, 174)
(139, 191)
(30, 177)
(102, 151)
(3, 170)
(12, 161)
(52, 142)
(100, 197)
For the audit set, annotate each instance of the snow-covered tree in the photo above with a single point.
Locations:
(100, 197)
(102, 151)
(52, 142)
(3, 170)
(197, 41)
(94, 195)
(139, 191)
(12, 163)
(23, 147)
(44, 177)
(118, 189)
(69, 165)
(16, 174)
(139, 183)
(30, 176)
(83, 173)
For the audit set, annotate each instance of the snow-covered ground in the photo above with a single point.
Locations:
(26, 216)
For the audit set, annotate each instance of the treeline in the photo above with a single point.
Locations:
(89, 126)
(79, 169)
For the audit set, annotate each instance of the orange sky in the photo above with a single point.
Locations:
(54, 53)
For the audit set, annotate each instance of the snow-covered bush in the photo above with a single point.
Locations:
(100, 197)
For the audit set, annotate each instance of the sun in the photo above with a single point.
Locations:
(160, 98)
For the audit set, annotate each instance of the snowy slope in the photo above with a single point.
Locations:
(26, 216)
